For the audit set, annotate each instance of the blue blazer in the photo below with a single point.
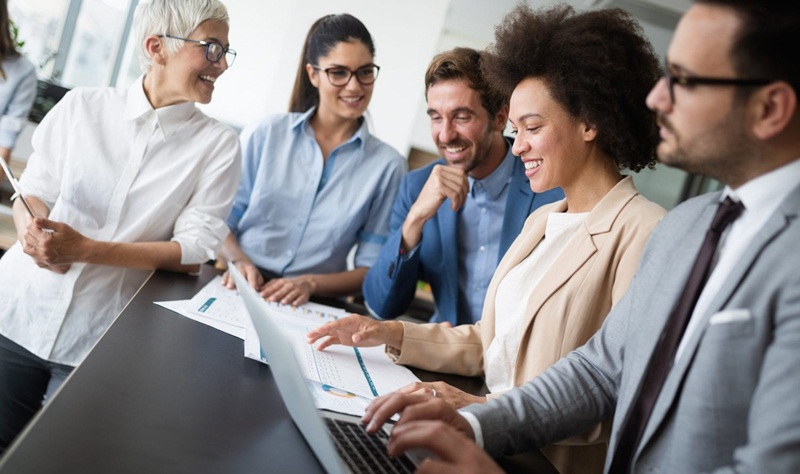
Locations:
(392, 280)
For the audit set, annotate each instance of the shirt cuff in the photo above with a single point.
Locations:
(10, 128)
(392, 352)
(406, 255)
(475, 425)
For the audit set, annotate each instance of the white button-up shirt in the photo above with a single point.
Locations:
(516, 289)
(115, 169)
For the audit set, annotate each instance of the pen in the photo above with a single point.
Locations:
(15, 185)
(17, 191)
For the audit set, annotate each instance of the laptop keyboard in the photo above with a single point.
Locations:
(364, 452)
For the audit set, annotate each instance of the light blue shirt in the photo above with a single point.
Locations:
(296, 213)
(480, 222)
(17, 93)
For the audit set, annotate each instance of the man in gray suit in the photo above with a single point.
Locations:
(727, 400)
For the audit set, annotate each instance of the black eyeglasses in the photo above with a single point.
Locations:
(691, 81)
(214, 50)
(340, 76)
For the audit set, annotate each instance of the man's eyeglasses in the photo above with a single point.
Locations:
(340, 76)
(214, 50)
(691, 81)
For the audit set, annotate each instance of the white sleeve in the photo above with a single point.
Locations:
(475, 425)
(200, 228)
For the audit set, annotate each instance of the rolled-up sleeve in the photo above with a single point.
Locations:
(44, 170)
(372, 237)
(200, 228)
(20, 101)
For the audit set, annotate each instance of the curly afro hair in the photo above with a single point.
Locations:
(597, 65)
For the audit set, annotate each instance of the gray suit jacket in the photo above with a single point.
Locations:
(730, 404)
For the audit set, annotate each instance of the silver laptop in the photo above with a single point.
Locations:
(339, 441)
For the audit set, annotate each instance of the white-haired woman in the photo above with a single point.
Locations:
(121, 182)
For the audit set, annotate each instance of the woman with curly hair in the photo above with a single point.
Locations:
(577, 84)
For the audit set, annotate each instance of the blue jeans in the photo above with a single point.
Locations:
(26, 382)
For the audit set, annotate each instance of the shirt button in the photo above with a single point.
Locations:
(289, 253)
(484, 210)
(482, 248)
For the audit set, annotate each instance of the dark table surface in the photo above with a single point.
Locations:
(162, 393)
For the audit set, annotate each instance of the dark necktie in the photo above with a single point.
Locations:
(664, 355)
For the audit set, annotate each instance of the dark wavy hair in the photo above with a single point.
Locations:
(8, 48)
(322, 37)
(597, 65)
(465, 64)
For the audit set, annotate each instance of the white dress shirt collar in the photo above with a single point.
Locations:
(170, 118)
(115, 180)
(761, 198)
(765, 193)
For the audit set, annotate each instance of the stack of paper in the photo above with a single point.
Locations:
(342, 379)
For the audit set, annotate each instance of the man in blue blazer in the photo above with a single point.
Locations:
(454, 219)
(722, 397)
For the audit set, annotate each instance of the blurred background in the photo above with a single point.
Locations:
(89, 43)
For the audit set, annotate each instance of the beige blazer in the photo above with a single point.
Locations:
(568, 306)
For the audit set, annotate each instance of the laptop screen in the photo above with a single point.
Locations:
(288, 376)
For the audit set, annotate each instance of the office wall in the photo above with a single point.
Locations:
(268, 37)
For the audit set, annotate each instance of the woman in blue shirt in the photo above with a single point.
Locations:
(17, 88)
(315, 182)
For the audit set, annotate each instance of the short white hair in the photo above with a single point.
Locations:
(172, 17)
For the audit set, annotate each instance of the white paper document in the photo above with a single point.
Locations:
(334, 399)
(364, 373)
(223, 309)
(214, 306)
(181, 307)
(219, 303)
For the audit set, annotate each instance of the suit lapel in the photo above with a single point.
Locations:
(526, 241)
(579, 250)
(448, 235)
(666, 273)
(681, 261)
(774, 226)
